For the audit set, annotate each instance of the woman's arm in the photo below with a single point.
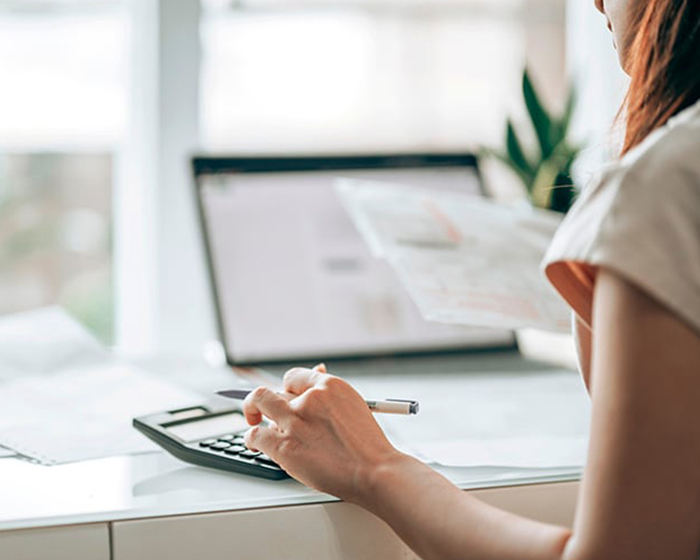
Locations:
(439, 521)
(640, 496)
(327, 438)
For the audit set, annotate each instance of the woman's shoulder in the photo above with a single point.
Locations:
(668, 160)
(659, 176)
(641, 219)
(664, 170)
(655, 184)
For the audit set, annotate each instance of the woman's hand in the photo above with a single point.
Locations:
(322, 432)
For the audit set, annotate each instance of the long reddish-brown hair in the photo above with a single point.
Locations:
(664, 66)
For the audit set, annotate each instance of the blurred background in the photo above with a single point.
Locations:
(103, 101)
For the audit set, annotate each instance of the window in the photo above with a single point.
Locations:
(377, 74)
(62, 113)
(275, 76)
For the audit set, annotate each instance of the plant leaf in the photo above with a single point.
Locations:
(541, 120)
(565, 154)
(563, 125)
(516, 154)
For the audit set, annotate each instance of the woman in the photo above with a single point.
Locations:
(627, 260)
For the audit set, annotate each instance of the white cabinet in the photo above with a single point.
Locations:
(328, 531)
(332, 531)
(73, 542)
(549, 503)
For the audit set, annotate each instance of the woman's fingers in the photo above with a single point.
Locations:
(262, 439)
(298, 380)
(263, 401)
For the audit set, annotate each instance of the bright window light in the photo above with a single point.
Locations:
(64, 79)
(62, 116)
(365, 75)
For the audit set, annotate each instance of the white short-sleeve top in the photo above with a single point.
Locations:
(640, 217)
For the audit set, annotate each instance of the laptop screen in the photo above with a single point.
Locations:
(292, 277)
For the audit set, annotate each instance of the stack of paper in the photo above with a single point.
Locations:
(462, 259)
(69, 399)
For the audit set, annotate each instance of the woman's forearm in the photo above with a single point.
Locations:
(437, 520)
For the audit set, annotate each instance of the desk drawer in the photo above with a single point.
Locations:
(71, 542)
(334, 531)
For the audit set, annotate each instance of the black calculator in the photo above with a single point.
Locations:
(210, 435)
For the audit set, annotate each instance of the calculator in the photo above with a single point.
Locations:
(209, 435)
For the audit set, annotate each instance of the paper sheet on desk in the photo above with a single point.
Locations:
(83, 414)
(462, 259)
(541, 452)
(68, 398)
(508, 419)
(4, 452)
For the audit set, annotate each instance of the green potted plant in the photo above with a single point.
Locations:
(544, 169)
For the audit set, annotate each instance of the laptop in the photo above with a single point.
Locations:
(293, 281)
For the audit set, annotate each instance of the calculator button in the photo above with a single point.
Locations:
(239, 439)
(248, 454)
(234, 450)
(207, 442)
(227, 437)
(220, 445)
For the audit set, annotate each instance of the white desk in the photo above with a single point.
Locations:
(153, 506)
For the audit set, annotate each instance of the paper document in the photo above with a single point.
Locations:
(4, 452)
(83, 407)
(83, 414)
(463, 259)
(508, 419)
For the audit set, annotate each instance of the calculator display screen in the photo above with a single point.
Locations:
(207, 427)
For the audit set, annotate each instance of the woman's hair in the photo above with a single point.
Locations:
(664, 66)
